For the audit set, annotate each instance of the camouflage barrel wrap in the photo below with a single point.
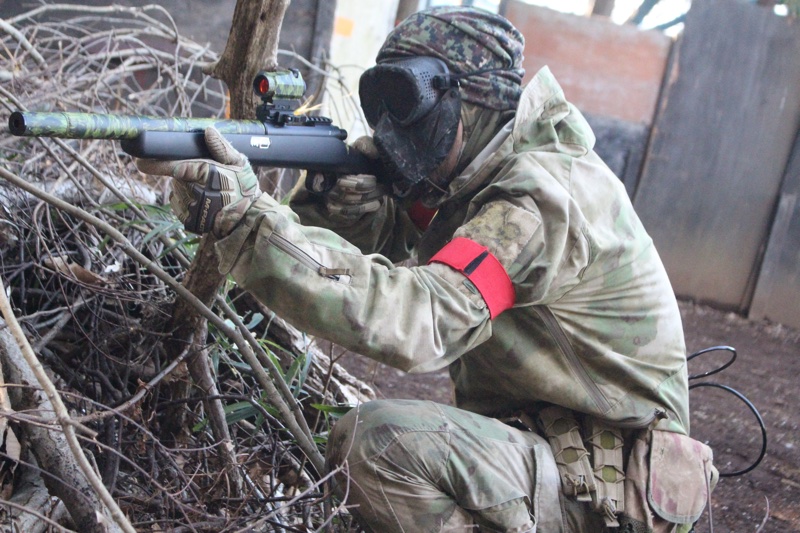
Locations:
(281, 84)
(106, 126)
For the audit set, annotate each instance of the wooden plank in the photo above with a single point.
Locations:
(777, 295)
(727, 121)
(605, 69)
(780, 271)
(307, 30)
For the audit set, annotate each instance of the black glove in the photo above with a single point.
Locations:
(209, 194)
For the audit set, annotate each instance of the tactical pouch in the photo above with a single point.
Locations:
(601, 484)
(669, 478)
(563, 432)
(681, 477)
(607, 460)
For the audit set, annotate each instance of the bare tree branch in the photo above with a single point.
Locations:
(81, 472)
(96, 310)
(305, 441)
(644, 9)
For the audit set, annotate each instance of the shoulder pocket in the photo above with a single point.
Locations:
(681, 476)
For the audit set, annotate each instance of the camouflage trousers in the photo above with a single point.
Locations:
(415, 466)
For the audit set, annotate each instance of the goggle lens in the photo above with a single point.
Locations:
(391, 92)
(402, 88)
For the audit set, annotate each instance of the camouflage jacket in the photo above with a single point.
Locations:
(595, 326)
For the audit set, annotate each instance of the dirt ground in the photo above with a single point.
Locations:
(765, 371)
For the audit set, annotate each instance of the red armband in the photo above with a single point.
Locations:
(483, 269)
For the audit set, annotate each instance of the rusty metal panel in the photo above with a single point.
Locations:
(720, 144)
(605, 69)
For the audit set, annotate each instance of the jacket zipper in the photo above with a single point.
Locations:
(291, 249)
(552, 325)
(644, 421)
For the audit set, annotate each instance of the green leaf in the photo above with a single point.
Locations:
(239, 411)
(255, 320)
(293, 372)
(119, 206)
(333, 410)
(308, 358)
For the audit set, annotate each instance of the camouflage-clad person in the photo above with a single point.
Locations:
(536, 284)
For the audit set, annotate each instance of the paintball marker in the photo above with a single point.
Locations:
(279, 137)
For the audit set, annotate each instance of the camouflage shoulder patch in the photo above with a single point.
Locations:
(503, 228)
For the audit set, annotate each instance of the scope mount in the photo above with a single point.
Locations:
(278, 111)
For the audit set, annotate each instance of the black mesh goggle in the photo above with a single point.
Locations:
(407, 89)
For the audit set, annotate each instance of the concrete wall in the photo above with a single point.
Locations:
(612, 73)
(205, 21)
(605, 69)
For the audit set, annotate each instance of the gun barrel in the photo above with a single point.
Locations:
(104, 126)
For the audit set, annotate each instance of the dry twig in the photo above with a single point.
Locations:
(93, 263)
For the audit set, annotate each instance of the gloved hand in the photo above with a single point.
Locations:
(209, 194)
(353, 196)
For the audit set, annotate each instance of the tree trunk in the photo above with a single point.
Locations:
(252, 46)
(32, 495)
(48, 443)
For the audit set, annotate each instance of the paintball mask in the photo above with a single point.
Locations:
(413, 106)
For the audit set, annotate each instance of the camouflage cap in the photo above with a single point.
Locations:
(467, 39)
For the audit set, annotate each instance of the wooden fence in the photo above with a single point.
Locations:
(719, 178)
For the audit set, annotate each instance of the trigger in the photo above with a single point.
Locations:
(319, 183)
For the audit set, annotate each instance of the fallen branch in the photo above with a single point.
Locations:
(32, 509)
(50, 444)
